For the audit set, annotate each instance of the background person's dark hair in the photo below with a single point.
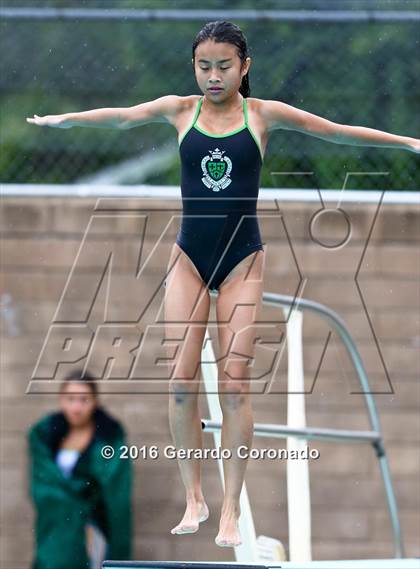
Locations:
(223, 31)
(78, 376)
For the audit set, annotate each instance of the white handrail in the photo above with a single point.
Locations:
(374, 436)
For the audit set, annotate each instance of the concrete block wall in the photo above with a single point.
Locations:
(366, 269)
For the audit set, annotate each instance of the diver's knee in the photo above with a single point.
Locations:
(182, 390)
(232, 395)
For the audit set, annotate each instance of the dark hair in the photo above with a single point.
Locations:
(77, 376)
(223, 31)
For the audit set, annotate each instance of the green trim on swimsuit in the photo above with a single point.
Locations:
(246, 125)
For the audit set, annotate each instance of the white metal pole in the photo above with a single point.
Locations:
(298, 493)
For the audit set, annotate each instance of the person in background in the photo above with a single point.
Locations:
(81, 499)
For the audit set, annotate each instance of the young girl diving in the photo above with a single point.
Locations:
(222, 135)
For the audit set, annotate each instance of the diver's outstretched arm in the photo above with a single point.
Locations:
(162, 109)
(280, 115)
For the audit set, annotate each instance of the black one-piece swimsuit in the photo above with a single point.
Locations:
(219, 186)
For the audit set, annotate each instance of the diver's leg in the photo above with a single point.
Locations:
(187, 305)
(244, 286)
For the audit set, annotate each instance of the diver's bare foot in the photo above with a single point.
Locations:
(195, 513)
(229, 535)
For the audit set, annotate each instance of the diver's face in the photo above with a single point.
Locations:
(218, 65)
(78, 403)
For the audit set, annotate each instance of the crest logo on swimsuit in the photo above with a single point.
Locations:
(216, 170)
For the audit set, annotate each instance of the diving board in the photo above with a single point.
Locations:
(406, 563)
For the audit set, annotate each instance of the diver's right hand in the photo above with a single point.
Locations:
(55, 121)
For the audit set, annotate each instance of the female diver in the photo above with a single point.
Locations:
(222, 135)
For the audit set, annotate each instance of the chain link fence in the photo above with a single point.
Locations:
(353, 70)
